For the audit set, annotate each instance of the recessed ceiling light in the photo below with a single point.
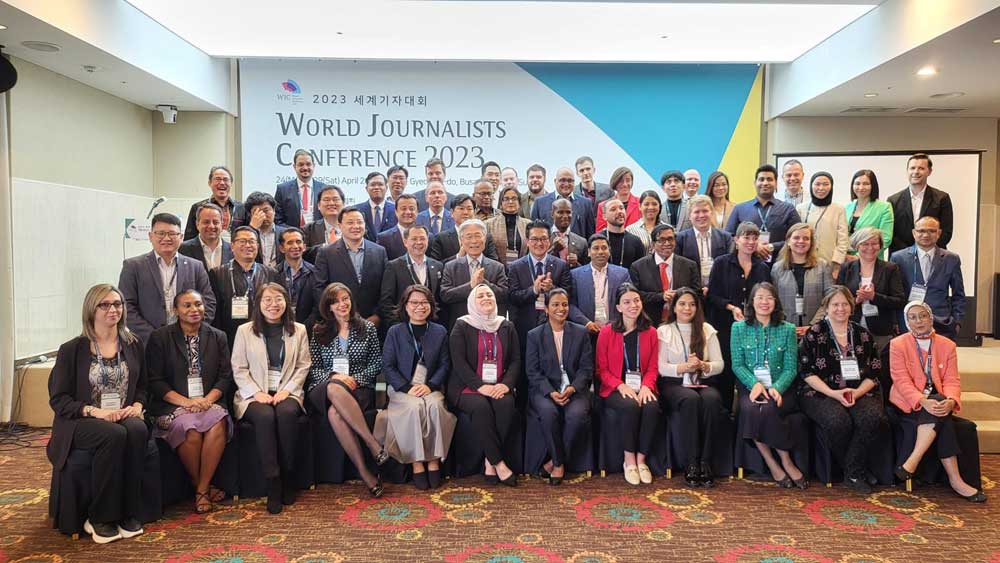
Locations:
(871, 95)
(340, 33)
(92, 68)
(664, 37)
(948, 95)
(42, 46)
(927, 71)
(2, 27)
(996, 41)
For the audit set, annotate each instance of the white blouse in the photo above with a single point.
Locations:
(673, 348)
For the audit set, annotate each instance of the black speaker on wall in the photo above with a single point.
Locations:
(8, 74)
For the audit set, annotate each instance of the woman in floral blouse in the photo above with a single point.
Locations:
(839, 362)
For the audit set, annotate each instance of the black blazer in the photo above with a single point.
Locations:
(444, 247)
(542, 363)
(224, 290)
(456, 286)
(192, 249)
(464, 347)
(936, 203)
(397, 277)
(727, 286)
(645, 275)
(890, 297)
(289, 202)
(167, 365)
(70, 391)
(392, 241)
(333, 264)
(398, 357)
(237, 217)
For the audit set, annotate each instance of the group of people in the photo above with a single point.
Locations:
(510, 304)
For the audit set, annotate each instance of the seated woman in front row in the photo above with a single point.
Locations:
(416, 427)
(689, 356)
(765, 361)
(560, 366)
(926, 388)
(189, 378)
(840, 363)
(486, 364)
(346, 359)
(270, 363)
(627, 353)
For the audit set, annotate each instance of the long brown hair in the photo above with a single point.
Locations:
(697, 323)
(326, 329)
(90, 301)
(642, 323)
(287, 319)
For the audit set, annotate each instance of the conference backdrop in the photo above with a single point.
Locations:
(356, 117)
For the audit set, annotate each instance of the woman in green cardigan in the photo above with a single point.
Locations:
(867, 210)
(765, 361)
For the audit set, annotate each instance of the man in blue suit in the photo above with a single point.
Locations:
(406, 216)
(583, 208)
(434, 172)
(436, 217)
(290, 195)
(592, 301)
(380, 215)
(701, 243)
(933, 275)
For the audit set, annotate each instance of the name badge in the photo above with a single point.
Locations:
(420, 374)
(341, 365)
(764, 238)
(273, 380)
(800, 305)
(111, 401)
(928, 390)
(241, 307)
(763, 376)
(489, 373)
(918, 292)
(869, 310)
(564, 380)
(540, 303)
(849, 369)
(195, 388)
(634, 380)
(601, 312)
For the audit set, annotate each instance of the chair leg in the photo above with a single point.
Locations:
(829, 485)
(75, 536)
(603, 474)
(236, 500)
(739, 473)
(590, 474)
(670, 473)
(909, 485)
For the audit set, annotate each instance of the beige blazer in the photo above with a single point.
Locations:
(249, 361)
(497, 227)
(830, 228)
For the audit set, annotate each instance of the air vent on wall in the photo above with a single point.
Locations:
(869, 109)
(935, 110)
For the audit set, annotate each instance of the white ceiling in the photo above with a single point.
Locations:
(507, 30)
(966, 57)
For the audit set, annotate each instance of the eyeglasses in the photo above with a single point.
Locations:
(565, 180)
(670, 240)
(513, 199)
(538, 239)
(272, 300)
(245, 242)
(107, 305)
(167, 234)
(921, 316)
(418, 303)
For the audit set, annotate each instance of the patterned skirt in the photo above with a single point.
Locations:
(173, 427)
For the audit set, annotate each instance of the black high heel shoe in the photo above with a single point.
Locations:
(905, 476)
(382, 457)
(510, 481)
(378, 489)
(976, 497)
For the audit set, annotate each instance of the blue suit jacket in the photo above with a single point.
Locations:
(422, 199)
(289, 203)
(584, 217)
(945, 289)
(398, 355)
(541, 363)
(521, 280)
(581, 299)
(388, 218)
(687, 244)
(392, 242)
(447, 221)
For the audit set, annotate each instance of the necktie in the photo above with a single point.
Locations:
(305, 205)
(435, 225)
(538, 269)
(665, 280)
(333, 236)
(473, 264)
(925, 267)
(378, 218)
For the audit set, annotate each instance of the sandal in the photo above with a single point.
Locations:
(216, 495)
(202, 508)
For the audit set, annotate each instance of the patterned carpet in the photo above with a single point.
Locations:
(588, 519)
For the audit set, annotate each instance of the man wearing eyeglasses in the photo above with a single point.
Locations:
(150, 282)
(220, 181)
(531, 277)
(583, 208)
(660, 274)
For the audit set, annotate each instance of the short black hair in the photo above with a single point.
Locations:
(371, 175)
(765, 168)
(407, 196)
(677, 174)
(281, 237)
(659, 229)
(460, 199)
(256, 199)
(398, 168)
(596, 237)
(168, 218)
(921, 156)
(482, 169)
(538, 224)
(328, 187)
(346, 210)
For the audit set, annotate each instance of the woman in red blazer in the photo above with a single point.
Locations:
(627, 368)
(926, 388)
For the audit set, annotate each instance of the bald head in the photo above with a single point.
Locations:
(565, 180)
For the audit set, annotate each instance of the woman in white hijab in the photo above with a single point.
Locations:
(486, 364)
(926, 389)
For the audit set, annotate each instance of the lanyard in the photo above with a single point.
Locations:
(290, 278)
(419, 348)
(816, 226)
(850, 341)
(201, 362)
(621, 259)
(105, 371)
(638, 360)
(763, 218)
(767, 344)
(916, 266)
(413, 273)
(926, 365)
(602, 296)
(684, 346)
(486, 346)
(232, 281)
(173, 276)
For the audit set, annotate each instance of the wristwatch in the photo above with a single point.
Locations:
(87, 410)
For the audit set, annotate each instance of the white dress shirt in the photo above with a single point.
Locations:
(213, 258)
(168, 277)
(916, 201)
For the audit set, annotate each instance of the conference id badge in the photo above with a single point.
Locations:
(849, 369)
(918, 292)
(634, 380)
(540, 303)
(692, 380)
(564, 380)
(763, 376)
(111, 401)
(800, 305)
(419, 374)
(195, 388)
(341, 365)
(273, 380)
(601, 312)
(764, 238)
(489, 373)
(241, 307)
(869, 310)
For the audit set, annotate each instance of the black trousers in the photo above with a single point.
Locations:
(119, 450)
(562, 425)
(276, 431)
(946, 441)
(848, 430)
(638, 422)
(701, 411)
(725, 381)
(492, 420)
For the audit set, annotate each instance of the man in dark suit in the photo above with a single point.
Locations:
(220, 180)
(297, 274)
(436, 218)
(567, 245)
(379, 214)
(208, 247)
(355, 262)
(446, 245)
(531, 276)
(589, 188)
(919, 200)
(397, 177)
(583, 210)
(291, 195)
(662, 272)
(701, 243)
(412, 268)
(323, 231)
(406, 215)
(473, 268)
(933, 275)
(149, 282)
(237, 283)
(434, 172)
(592, 301)
(260, 213)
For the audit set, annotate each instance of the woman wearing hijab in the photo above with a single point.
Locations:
(486, 364)
(828, 221)
(927, 391)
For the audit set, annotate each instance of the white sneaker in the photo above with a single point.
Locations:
(104, 533)
(130, 528)
(631, 474)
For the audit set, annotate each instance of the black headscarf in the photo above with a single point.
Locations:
(829, 197)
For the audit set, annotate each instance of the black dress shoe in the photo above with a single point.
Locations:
(555, 480)
(510, 481)
(870, 478)
(542, 473)
(491, 479)
(785, 483)
(859, 484)
(902, 474)
(434, 478)
(274, 503)
(976, 497)
(288, 492)
(692, 475)
(707, 479)
(420, 481)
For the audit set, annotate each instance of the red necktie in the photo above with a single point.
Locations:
(665, 281)
(305, 205)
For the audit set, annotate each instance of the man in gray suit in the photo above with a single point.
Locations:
(596, 191)
(567, 245)
(465, 272)
(149, 282)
